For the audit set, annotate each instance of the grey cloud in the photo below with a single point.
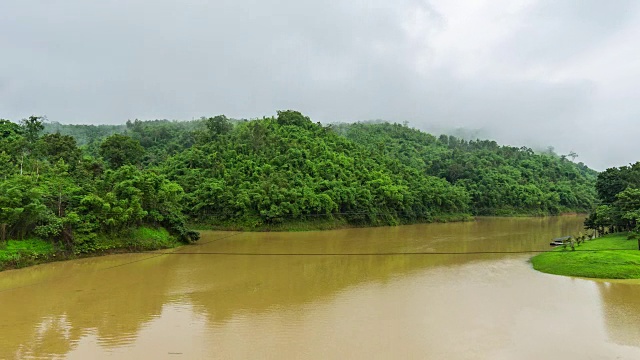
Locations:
(170, 58)
(108, 61)
(555, 31)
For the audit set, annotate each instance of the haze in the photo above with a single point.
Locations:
(536, 73)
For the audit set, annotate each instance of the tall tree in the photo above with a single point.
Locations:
(57, 147)
(32, 126)
(218, 125)
(119, 150)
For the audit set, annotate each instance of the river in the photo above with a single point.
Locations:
(241, 296)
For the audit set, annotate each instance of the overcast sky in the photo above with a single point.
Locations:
(564, 73)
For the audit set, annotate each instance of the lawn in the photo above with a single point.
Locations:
(609, 257)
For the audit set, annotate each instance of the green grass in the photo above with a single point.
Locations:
(15, 248)
(18, 253)
(594, 259)
(22, 253)
(138, 239)
(152, 238)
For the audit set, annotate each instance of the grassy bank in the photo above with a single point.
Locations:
(594, 259)
(319, 224)
(22, 253)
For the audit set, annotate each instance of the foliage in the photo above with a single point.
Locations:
(619, 194)
(77, 184)
(51, 191)
(288, 169)
(135, 239)
(84, 134)
(218, 126)
(163, 138)
(119, 150)
(11, 143)
(32, 126)
(56, 147)
(500, 180)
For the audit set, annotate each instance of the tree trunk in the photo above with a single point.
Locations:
(67, 237)
(3, 233)
(60, 203)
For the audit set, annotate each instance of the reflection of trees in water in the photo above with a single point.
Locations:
(222, 286)
(257, 284)
(52, 337)
(48, 320)
(622, 311)
(115, 304)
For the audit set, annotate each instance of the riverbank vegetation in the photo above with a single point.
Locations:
(26, 252)
(618, 207)
(76, 185)
(613, 256)
(617, 214)
(53, 191)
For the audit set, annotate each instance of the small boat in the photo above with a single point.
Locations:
(560, 241)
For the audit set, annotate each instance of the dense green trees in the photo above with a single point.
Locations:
(50, 190)
(619, 194)
(119, 150)
(276, 171)
(217, 126)
(56, 147)
(500, 180)
(287, 168)
(163, 138)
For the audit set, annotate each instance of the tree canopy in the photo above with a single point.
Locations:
(119, 150)
(77, 182)
(51, 190)
(619, 200)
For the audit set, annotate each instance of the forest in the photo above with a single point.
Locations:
(618, 201)
(77, 185)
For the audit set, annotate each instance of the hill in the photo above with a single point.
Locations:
(500, 180)
(282, 172)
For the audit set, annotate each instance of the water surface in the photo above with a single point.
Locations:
(332, 304)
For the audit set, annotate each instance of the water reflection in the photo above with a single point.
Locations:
(621, 304)
(81, 297)
(199, 305)
(255, 284)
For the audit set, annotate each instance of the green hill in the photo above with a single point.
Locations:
(289, 169)
(500, 180)
(277, 173)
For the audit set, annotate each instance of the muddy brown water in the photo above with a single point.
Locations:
(198, 304)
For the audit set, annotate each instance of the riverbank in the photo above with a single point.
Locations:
(22, 253)
(335, 223)
(609, 257)
(316, 224)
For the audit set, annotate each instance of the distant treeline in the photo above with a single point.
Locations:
(71, 183)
